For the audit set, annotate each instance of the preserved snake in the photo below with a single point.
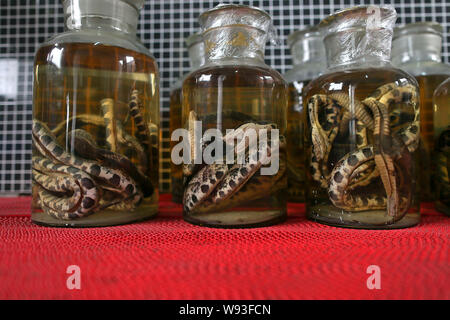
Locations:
(219, 185)
(388, 157)
(85, 178)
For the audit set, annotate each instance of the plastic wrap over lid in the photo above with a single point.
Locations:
(235, 14)
(359, 33)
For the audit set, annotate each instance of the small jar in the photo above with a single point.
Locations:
(362, 130)
(416, 48)
(234, 108)
(309, 62)
(95, 120)
(441, 156)
(196, 54)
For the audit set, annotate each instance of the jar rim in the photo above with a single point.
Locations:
(238, 25)
(359, 16)
(418, 28)
(228, 6)
(305, 33)
(137, 4)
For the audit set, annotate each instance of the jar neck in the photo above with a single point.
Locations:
(234, 42)
(310, 50)
(109, 15)
(358, 47)
(417, 48)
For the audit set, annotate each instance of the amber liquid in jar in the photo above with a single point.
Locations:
(242, 94)
(441, 154)
(363, 186)
(176, 170)
(86, 89)
(294, 137)
(427, 85)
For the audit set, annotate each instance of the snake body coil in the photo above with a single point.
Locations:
(88, 178)
(388, 157)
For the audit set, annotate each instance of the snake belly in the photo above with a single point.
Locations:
(387, 158)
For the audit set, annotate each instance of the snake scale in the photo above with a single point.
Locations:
(86, 178)
(388, 157)
(219, 185)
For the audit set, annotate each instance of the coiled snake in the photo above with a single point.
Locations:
(388, 157)
(217, 186)
(77, 183)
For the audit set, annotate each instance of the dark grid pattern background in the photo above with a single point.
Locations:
(164, 24)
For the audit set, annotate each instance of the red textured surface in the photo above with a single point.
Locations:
(166, 258)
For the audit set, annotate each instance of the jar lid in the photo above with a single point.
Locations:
(193, 39)
(236, 14)
(418, 28)
(229, 14)
(137, 4)
(311, 32)
(124, 10)
(360, 17)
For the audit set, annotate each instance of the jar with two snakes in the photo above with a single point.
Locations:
(362, 119)
(95, 126)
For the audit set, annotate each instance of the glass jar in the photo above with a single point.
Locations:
(196, 53)
(362, 127)
(309, 62)
(441, 121)
(95, 120)
(416, 48)
(235, 178)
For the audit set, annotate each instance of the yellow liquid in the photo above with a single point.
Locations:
(360, 83)
(294, 138)
(441, 154)
(176, 171)
(427, 86)
(240, 95)
(71, 80)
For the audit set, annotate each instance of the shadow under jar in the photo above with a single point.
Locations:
(362, 128)
(95, 120)
(235, 89)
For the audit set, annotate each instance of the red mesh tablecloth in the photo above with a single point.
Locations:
(166, 258)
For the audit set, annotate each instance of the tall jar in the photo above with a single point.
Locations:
(234, 108)
(309, 62)
(95, 120)
(416, 48)
(362, 131)
(196, 54)
(441, 156)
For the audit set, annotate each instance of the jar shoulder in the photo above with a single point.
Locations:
(424, 68)
(235, 75)
(305, 72)
(99, 37)
(360, 81)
